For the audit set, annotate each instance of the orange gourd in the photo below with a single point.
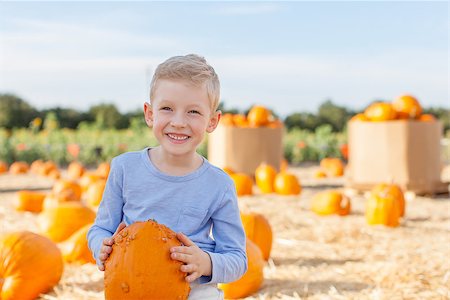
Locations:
(258, 116)
(94, 193)
(382, 209)
(29, 201)
(359, 117)
(36, 166)
(30, 265)
(75, 248)
(252, 279)
(60, 221)
(243, 183)
(407, 107)
(228, 170)
(75, 170)
(3, 167)
(380, 111)
(103, 170)
(265, 178)
(258, 230)
(67, 190)
(227, 119)
(18, 167)
(330, 202)
(240, 120)
(140, 266)
(287, 184)
(427, 118)
(48, 168)
(87, 179)
(393, 191)
(333, 167)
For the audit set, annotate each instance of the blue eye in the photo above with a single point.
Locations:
(194, 111)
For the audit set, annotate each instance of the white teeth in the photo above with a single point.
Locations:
(178, 138)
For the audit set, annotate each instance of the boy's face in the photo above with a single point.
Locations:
(180, 114)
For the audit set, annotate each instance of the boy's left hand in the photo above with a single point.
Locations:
(196, 261)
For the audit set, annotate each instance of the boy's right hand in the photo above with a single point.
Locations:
(106, 248)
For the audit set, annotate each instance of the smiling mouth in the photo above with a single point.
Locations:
(178, 137)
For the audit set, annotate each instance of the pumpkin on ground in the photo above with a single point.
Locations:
(243, 183)
(3, 167)
(30, 264)
(67, 190)
(380, 111)
(60, 221)
(127, 271)
(265, 177)
(18, 167)
(94, 193)
(333, 167)
(287, 184)
(29, 201)
(258, 230)
(330, 202)
(75, 248)
(36, 166)
(383, 209)
(75, 170)
(407, 107)
(392, 191)
(252, 279)
(103, 170)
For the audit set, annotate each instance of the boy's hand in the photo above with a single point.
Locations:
(196, 261)
(106, 248)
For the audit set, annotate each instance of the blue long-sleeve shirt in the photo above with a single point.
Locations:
(199, 204)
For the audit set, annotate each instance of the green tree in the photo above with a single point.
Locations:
(15, 112)
(332, 114)
(106, 116)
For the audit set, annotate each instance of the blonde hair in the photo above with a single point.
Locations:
(193, 69)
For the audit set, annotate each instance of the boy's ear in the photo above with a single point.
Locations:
(148, 114)
(213, 121)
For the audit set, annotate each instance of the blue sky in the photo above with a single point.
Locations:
(289, 56)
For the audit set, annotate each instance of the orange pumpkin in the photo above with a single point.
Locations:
(427, 118)
(380, 111)
(258, 230)
(18, 167)
(287, 184)
(29, 201)
(75, 170)
(243, 183)
(392, 191)
(258, 116)
(227, 119)
(87, 179)
(265, 178)
(94, 193)
(67, 190)
(75, 248)
(103, 170)
(359, 117)
(333, 167)
(320, 174)
(59, 222)
(127, 271)
(330, 202)
(228, 170)
(407, 107)
(36, 166)
(382, 209)
(30, 265)
(48, 168)
(3, 167)
(252, 279)
(240, 120)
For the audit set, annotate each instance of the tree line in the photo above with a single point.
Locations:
(16, 113)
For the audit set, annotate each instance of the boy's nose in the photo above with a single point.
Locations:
(178, 120)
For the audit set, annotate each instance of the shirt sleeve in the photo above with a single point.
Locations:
(109, 214)
(229, 259)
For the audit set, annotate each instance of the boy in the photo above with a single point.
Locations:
(176, 186)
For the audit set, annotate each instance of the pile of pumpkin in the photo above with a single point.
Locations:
(257, 116)
(35, 260)
(404, 107)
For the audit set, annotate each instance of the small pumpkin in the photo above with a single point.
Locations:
(243, 184)
(87, 179)
(94, 193)
(36, 166)
(330, 202)
(58, 222)
(407, 107)
(252, 280)
(19, 167)
(103, 170)
(29, 201)
(127, 271)
(382, 209)
(75, 248)
(380, 111)
(240, 120)
(427, 118)
(359, 117)
(287, 184)
(30, 265)
(75, 170)
(258, 230)
(258, 116)
(227, 119)
(67, 190)
(393, 191)
(265, 177)
(333, 167)
(47, 168)
(3, 167)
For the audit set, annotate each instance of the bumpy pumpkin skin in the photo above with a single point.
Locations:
(140, 266)
(30, 264)
(252, 279)
(258, 230)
